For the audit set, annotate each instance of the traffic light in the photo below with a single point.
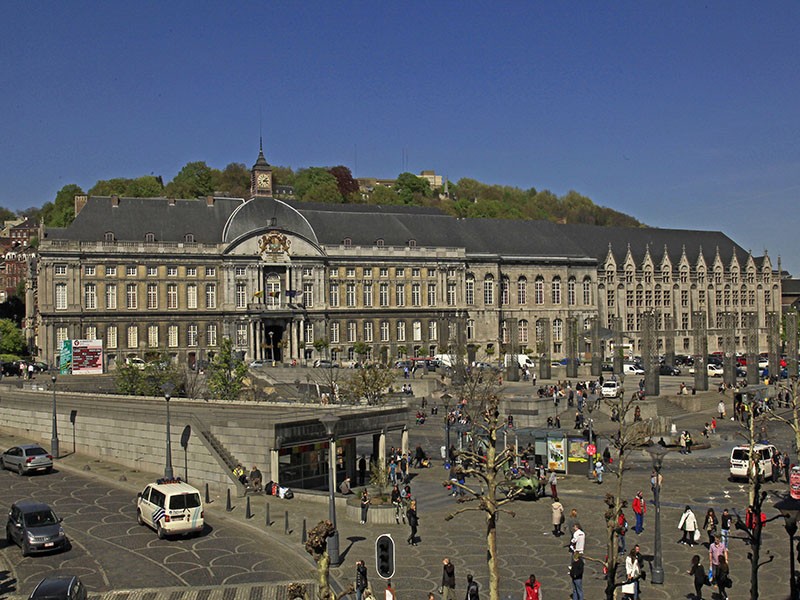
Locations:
(384, 556)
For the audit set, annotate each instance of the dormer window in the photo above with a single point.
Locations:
(379, 243)
(108, 236)
(150, 237)
(412, 243)
(189, 238)
(347, 242)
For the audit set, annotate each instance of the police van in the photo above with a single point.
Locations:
(171, 507)
(740, 459)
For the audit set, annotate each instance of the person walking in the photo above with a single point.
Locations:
(711, 524)
(552, 480)
(725, 526)
(361, 579)
(688, 524)
(639, 510)
(413, 521)
(715, 551)
(622, 528)
(723, 577)
(472, 589)
(533, 588)
(576, 575)
(578, 542)
(699, 576)
(558, 517)
(365, 502)
(448, 588)
(598, 471)
(362, 470)
(631, 588)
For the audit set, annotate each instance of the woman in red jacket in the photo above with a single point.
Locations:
(533, 589)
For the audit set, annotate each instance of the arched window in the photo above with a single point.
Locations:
(108, 236)
(488, 290)
(522, 331)
(189, 238)
(556, 290)
(571, 301)
(558, 330)
(522, 291)
(538, 290)
(504, 291)
(347, 242)
(412, 243)
(587, 291)
(379, 242)
(149, 237)
(469, 290)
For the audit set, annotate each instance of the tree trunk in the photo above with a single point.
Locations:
(323, 568)
(491, 519)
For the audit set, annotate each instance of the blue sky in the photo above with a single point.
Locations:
(683, 114)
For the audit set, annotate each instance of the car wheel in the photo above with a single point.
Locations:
(160, 531)
(25, 550)
(20, 469)
(48, 470)
(139, 518)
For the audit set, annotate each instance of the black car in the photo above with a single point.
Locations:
(34, 527)
(60, 587)
(668, 370)
(10, 368)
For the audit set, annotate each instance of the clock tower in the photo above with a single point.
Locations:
(261, 176)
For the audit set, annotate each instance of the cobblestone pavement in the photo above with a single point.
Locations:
(525, 543)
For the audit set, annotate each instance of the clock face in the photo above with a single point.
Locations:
(263, 180)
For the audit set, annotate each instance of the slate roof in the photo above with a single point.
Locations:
(229, 219)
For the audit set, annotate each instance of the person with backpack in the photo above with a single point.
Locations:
(472, 589)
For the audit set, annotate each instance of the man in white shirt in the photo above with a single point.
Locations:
(578, 541)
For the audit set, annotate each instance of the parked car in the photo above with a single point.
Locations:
(59, 587)
(485, 366)
(610, 389)
(632, 369)
(170, 506)
(713, 370)
(26, 458)
(34, 527)
(136, 362)
(257, 364)
(668, 370)
(10, 369)
(324, 363)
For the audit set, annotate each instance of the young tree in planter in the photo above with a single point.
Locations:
(226, 372)
(368, 383)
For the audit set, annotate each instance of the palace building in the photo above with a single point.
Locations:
(294, 281)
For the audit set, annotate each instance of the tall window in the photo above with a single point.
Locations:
(469, 291)
(522, 291)
(191, 295)
(241, 334)
(133, 336)
(488, 290)
(368, 294)
(451, 294)
(351, 331)
(522, 331)
(433, 330)
(571, 291)
(369, 333)
(273, 290)
(400, 294)
(431, 294)
(334, 294)
(416, 294)
(172, 336)
(211, 335)
(191, 336)
(131, 296)
(152, 336)
(504, 291)
(90, 296)
(308, 295)
(61, 296)
(211, 295)
(587, 291)
(241, 295)
(350, 294)
(470, 329)
(111, 336)
(335, 332)
(152, 295)
(538, 290)
(309, 332)
(384, 331)
(401, 331)
(91, 333)
(111, 296)
(416, 331)
(556, 290)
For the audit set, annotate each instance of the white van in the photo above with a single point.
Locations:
(632, 369)
(447, 360)
(523, 360)
(740, 459)
(171, 507)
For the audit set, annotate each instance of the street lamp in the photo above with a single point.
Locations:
(657, 452)
(271, 348)
(329, 421)
(790, 509)
(167, 388)
(590, 471)
(446, 399)
(54, 437)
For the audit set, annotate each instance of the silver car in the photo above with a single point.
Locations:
(34, 527)
(26, 459)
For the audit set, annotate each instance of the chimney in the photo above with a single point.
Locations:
(115, 200)
(80, 202)
(209, 200)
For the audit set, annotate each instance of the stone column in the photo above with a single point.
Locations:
(700, 331)
(751, 347)
(543, 347)
(597, 348)
(774, 343)
(650, 354)
(791, 343)
(729, 348)
(274, 465)
(381, 447)
(404, 440)
(669, 340)
(616, 327)
(512, 370)
(572, 346)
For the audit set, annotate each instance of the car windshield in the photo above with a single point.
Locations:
(40, 518)
(184, 501)
(35, 451)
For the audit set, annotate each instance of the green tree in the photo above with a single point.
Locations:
(410, 187)
(369, 383)
(11, 339)
(7, 214)
(148, 186)
(282, 176)
(61, 212)
(194, 180)
(13, 308)
(233, 181)
(318, 185)
(383, 196)
(226, 373)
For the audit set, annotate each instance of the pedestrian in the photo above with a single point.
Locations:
(448, 589)
(576, 575)
(361, 579)
(362, 470)
(723, 577)
(344, 487)
(683, 442)
(472, 589)
(598, 471)
(573, 519)
(715, 551)
(578, 542)
(688, 524)
(699, 576)
(721, 409)
(711, 524)
(622, 529)
(656, 480)
(558, 517)
(639, 510)
(365, 502)
(393, 472)
(533, 588)
(725, 526)
(785, 464)
(413, 521)
(552, 479)
(631, 588)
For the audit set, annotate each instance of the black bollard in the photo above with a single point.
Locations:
(208, 496)
(248, 514)
(304, 537)
(228, 506)
(269, 522)
(286, 523)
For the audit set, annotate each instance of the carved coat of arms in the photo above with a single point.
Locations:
(273, 245)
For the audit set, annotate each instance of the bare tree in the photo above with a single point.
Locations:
(789, 390)
(317, 547)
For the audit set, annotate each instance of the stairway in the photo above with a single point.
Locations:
(219, 452)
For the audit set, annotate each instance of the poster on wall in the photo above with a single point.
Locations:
(65, 360)
(87, 357)
(577, 450)
(556, 458)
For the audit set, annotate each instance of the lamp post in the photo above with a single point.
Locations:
(167, 388)
(446, 399)
(591, 457)
(329, 421)
(271, 348)
(657, 452)
(54, 437)
(790, 509)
